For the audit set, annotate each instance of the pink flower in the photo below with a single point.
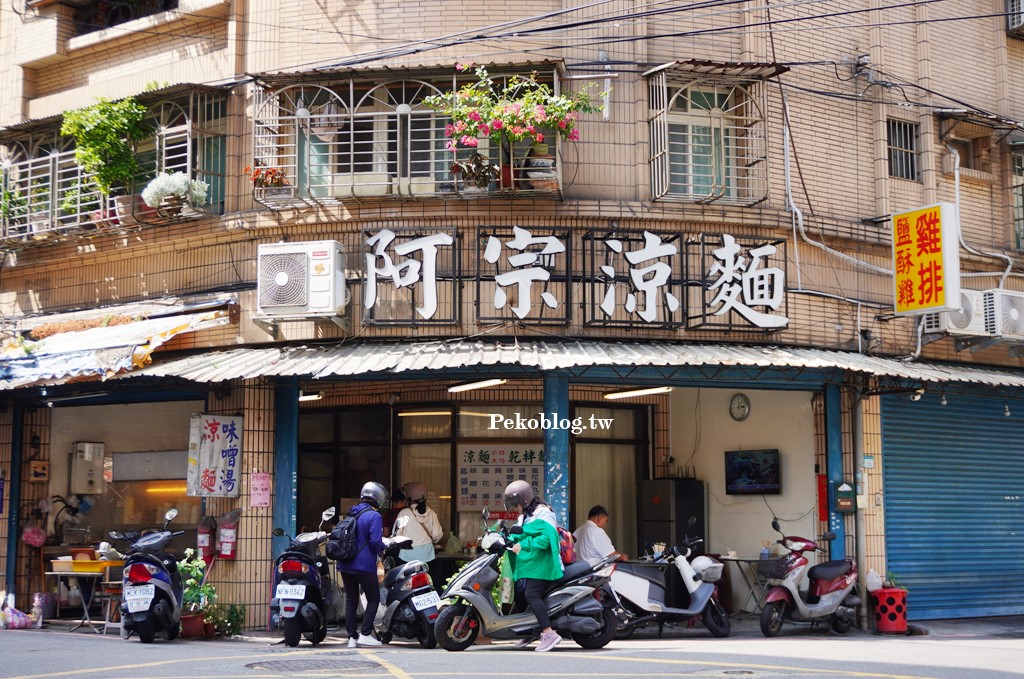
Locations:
(530, 129)
(460, 127)
(468, 140)
(562, 124)
(574, 135)
(474, 115)
(449, 130)
(540, 137)
(517, 130)
(464, 67)
(484, 129)
(539, 114)
(496, 124)
(450, 145)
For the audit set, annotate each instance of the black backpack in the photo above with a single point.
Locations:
(343, 544)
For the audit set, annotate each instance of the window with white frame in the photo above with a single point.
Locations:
(1017, 188)
(903, 149)
(707, 141)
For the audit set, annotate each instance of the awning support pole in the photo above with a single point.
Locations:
(556, 448)
(14, 494)
(834, 466)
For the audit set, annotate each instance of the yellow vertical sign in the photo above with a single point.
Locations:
(926, 260)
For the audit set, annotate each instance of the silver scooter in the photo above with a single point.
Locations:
(577, 603)
(640, 591)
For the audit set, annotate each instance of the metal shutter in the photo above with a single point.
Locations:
(954, 504)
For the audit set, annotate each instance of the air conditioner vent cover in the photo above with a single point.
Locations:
(283, 279)
(1004, 313)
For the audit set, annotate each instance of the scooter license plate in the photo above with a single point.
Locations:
(424, 601)
(139, 597)
(291, 591)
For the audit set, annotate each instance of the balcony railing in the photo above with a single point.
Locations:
(329, 155)
(50, 196)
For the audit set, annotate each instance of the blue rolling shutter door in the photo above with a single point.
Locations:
(954, 504)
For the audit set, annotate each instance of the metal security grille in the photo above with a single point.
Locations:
(954, 503)
(708, 140)
(1015, 16)
(903, 149)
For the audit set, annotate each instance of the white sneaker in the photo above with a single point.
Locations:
(548, 641)
(351, 642)
(368, 641)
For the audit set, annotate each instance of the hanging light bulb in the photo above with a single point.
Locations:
(943, 401)
(300, 109)
(1006, 409)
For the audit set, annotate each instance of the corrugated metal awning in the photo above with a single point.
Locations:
(722, 69)
(368, 358)
(96, 352)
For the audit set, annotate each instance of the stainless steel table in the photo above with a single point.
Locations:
(754, 571)
(88, 584)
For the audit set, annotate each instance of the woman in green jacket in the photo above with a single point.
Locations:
(535, 559)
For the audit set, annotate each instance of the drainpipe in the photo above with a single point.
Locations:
(861, 491)
(286, 459)
(834, 466)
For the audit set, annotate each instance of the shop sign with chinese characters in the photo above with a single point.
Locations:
(214, 456)
(926, 260)
(485, 469)
(628, 278)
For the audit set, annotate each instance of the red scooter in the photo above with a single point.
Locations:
(829, 597)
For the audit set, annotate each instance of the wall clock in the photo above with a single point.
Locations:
(739, 407)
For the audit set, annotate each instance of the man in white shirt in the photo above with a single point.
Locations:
(592, 542)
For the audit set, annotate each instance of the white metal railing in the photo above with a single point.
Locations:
(1015, 17)
(332, 157)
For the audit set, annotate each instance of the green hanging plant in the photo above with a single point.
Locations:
(105, 134)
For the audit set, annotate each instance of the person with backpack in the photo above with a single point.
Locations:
(535, 557)
(358, 542)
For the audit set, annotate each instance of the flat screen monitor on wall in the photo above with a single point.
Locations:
(752, 472)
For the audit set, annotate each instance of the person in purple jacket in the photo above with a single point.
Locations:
(361, 571)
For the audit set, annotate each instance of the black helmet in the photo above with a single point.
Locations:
(375, 494)
(518, 494)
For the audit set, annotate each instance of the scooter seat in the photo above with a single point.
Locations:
(650, 573)
(406, 570)
(830, 570)
(572, 571)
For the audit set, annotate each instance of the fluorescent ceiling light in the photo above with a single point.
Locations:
(424, 413)
(310, 395)
(473, 413)
(77, 397)
(637, 392)
(475, 385)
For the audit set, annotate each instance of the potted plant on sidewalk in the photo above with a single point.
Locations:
(523, 110)
(197, 595)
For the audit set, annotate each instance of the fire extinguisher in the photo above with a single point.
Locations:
(227, 537)
(205, 539)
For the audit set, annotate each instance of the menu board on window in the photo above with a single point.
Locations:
(485, 469)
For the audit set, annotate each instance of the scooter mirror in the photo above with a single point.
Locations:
(328, 514)
(116, 534)
(829, 536)
(486, 513)
(277, 532)
(400, 524)
(171, 513)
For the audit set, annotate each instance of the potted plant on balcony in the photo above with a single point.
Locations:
(523, 109)
(197, 594)
(170, 192)
(272, 179)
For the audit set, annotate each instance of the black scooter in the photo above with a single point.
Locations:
(410, 601)
(151, 592)
(306, 597)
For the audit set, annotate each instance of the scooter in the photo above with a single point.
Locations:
(151, 589)
(829, 596)
(410, 601)
(576, 603)
(640, 591)
(306, 597)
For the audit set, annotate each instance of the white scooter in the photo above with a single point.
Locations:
(640, 591)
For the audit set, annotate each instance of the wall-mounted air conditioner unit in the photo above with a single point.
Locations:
(301, 280)
(1004, 313)
(969, 319)
(1015, 17)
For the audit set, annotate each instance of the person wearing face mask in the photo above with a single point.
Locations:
(422, 525)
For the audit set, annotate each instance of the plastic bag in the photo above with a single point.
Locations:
(34, 535)
(873, 580)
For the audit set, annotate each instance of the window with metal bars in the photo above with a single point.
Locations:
(1015, 17)
(903, 149)
(1017, 188)
(707, 142)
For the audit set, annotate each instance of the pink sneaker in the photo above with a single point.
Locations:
(548, 640)
(525, 641)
